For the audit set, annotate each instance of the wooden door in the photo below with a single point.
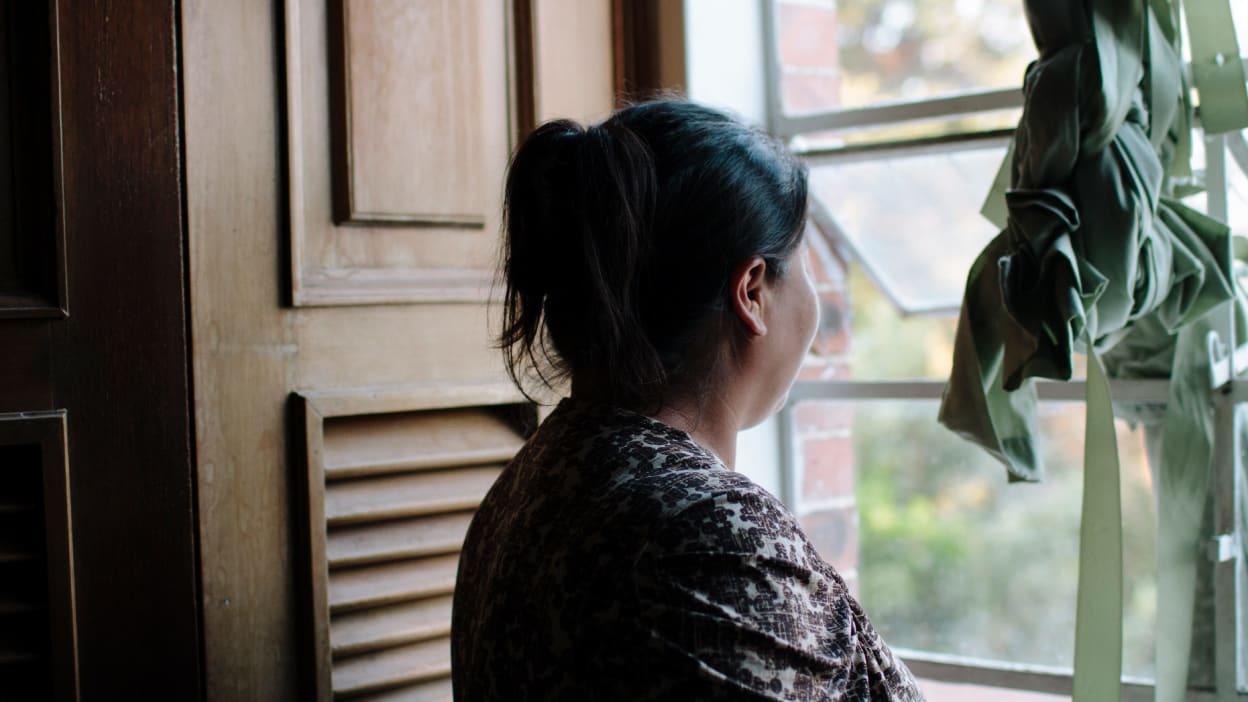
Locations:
(344, 164)
(98, 583)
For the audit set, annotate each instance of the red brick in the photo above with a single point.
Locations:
(832, 337)
(834, 534)
(806, 91)
(827, 468)
(822, 416)
(807, 35)
(810, 92)
(826, 268)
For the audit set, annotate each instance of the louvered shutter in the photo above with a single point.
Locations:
(390, 496)
(37, 653)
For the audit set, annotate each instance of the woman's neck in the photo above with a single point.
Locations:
(706, 417)
(711, 424)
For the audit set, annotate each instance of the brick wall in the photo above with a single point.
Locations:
(809, 54)
(823, 447)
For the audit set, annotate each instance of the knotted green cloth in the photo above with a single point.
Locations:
(1097, 256)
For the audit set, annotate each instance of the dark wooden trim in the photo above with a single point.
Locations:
(26, 373)
(338, 44)
(59, 255)
(524, 90)
(635, 34)
(308, 513)
(122, 357)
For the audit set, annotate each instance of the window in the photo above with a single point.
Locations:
(903, 110)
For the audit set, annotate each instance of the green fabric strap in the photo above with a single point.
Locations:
(1179, 507)
(1217, 68)
(1098, 617)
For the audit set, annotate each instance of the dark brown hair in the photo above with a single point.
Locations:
(621, 239)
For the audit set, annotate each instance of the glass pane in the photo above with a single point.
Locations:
(1236, 184)
(1237, 198)
(912, 217)
(848, 53)
(1239, 15)
(955, 560)
(885, 344)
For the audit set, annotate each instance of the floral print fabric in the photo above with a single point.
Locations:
(615, 559)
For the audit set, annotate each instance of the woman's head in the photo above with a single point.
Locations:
(623, 239)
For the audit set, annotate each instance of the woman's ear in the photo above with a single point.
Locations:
(747, 286)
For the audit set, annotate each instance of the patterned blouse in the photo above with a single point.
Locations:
(615, 559)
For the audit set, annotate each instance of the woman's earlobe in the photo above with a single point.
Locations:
(747, 294)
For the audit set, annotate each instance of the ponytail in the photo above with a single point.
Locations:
(578, 208)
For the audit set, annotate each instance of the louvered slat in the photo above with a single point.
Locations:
(388, 541)
(431, 691)
(10, 606)
(8, 507)
(387, 627)
(374, 586)
(398, 496)
(397, 666)
(384, 444)
(17, 657)
(13, 554)
(407, 495)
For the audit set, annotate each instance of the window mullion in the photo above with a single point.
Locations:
(884, 114)
(1144, 390)
(1055, 681)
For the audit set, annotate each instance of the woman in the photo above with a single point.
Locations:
(655, 261)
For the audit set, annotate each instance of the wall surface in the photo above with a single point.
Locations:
(724, 54)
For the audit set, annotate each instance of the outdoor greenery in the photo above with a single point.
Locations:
(953, 559)
(912, 49)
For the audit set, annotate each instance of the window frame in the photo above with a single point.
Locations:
(1231, 579)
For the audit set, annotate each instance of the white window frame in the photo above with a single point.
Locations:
(1231, 583)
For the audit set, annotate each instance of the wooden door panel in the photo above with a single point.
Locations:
(399, 124)
(411, 74)
(94, 357)
(382, 345)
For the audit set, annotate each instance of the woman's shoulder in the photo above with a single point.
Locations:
(625, 464)
(725, 512)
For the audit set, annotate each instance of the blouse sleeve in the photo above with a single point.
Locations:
(736, 587)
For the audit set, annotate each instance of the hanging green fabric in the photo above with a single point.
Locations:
(1095, 257)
